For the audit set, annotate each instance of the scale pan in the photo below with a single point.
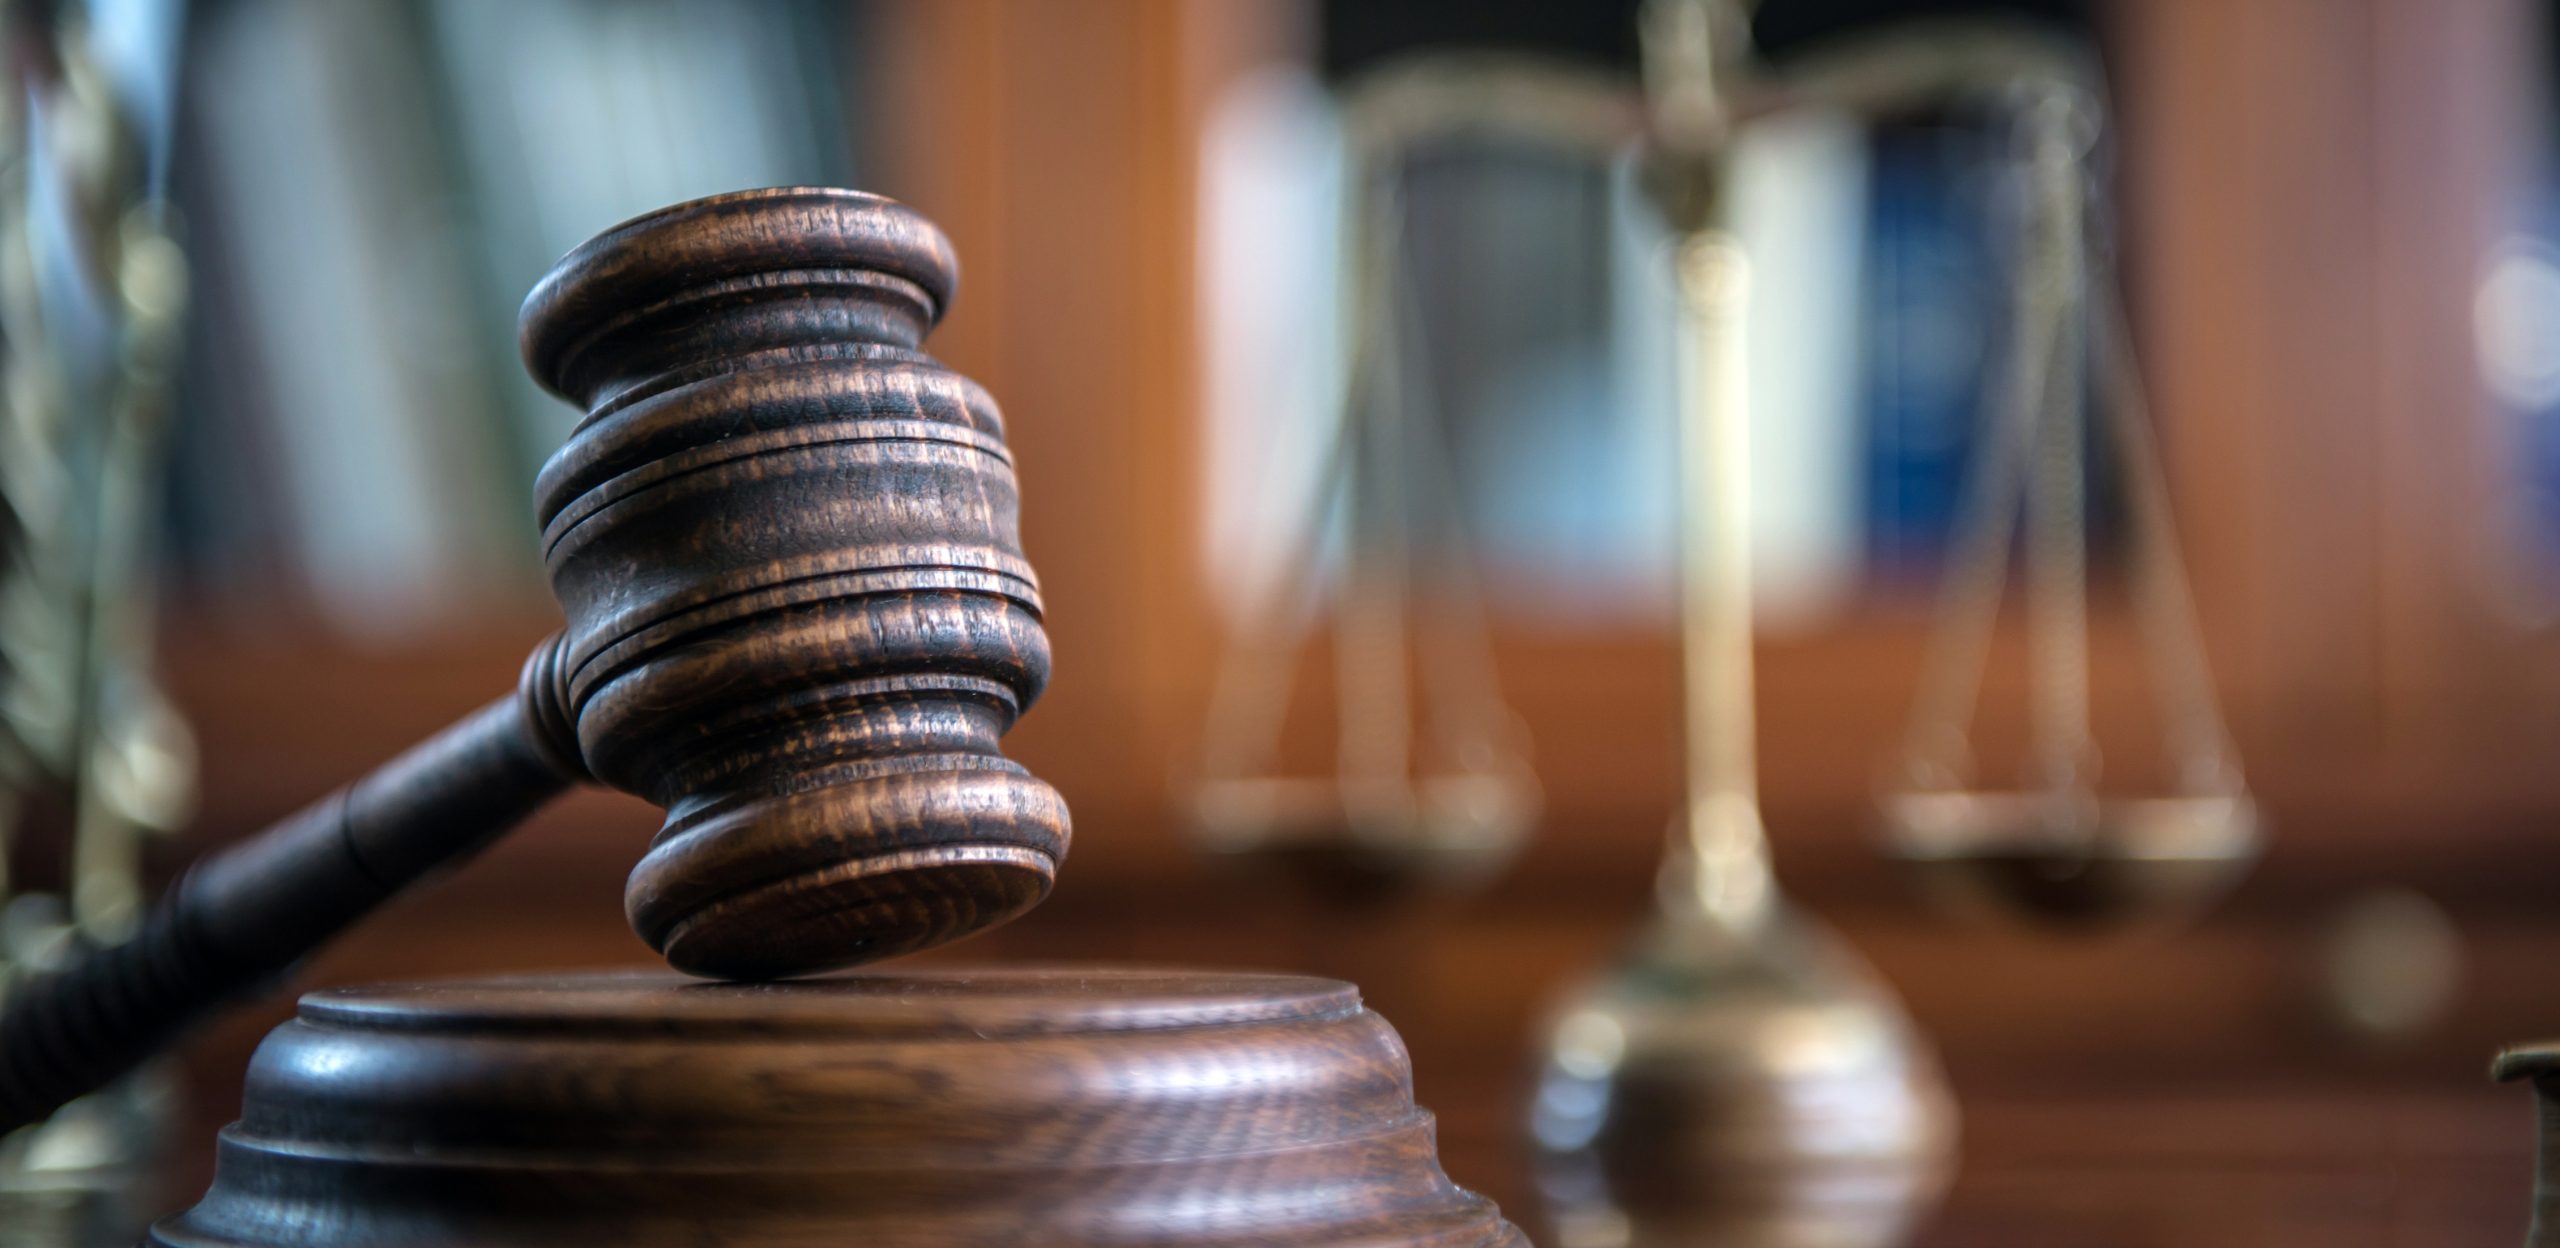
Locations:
(2095, 864)
(1362, 841)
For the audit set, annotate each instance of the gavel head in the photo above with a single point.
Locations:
(798, 613)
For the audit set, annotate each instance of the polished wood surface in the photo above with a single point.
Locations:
(2179, 1089)
(798, 619)
(2100, 1106)
(1064, 1106)
(786, 529)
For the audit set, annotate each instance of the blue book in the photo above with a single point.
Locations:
(1934, 325)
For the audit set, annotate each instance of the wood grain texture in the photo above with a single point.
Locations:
(1059, 1106)
(798, 618)
(799, 615)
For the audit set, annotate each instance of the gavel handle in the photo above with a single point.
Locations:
(241, 918)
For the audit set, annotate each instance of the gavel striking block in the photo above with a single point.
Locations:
(798, 617)
(1067, 1108)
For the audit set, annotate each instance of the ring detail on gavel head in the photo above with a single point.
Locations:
(798, 612)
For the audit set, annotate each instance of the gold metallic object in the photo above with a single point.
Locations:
(1448, 807)
(1741, 1077)
(2059, 851)
(91, 291)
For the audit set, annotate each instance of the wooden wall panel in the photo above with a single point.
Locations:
(2472, 673)
(2249, 182)
(1056, 149)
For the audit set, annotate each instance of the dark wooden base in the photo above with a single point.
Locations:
(997, 1107)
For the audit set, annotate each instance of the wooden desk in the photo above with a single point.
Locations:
(2145, 1146)
(2178, 1090)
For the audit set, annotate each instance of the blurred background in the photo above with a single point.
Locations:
(2335, 222)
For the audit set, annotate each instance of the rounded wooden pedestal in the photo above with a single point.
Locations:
(967, 1107)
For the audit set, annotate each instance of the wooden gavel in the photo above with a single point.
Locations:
(798, 618)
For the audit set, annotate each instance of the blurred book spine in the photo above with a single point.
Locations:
(1934, 310)
(372, 189)
(373, 446)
